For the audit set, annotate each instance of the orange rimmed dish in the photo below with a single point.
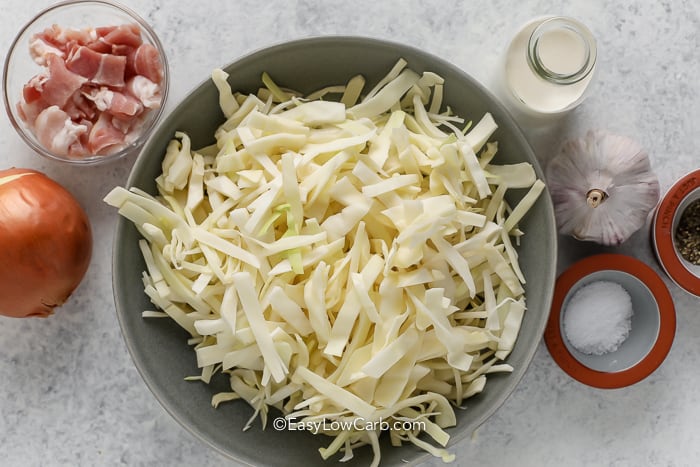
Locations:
(666, 219)
(653, 325)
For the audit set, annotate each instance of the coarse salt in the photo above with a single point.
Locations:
(598, 318)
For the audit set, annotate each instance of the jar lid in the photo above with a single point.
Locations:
(646, 365)
(683, 273)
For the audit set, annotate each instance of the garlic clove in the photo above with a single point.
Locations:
(602, 187)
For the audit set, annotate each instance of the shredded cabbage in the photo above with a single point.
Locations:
(340, 261)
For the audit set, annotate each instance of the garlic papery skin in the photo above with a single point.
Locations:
(602, 187)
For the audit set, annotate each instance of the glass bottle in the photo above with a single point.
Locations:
(548, 66)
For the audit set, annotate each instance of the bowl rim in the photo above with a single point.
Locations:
(514, 378)
(91, 159)
(662, 233)
(667, 321)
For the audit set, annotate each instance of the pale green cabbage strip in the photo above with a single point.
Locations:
(340, 261)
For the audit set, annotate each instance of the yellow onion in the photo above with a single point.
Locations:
(602, 187)
(45, 243)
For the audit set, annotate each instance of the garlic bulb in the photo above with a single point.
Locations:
(602, 187)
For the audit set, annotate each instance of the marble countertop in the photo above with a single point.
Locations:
(70, 393)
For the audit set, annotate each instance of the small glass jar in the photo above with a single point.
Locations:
(548, 66)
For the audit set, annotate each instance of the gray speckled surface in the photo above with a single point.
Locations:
(71, 395)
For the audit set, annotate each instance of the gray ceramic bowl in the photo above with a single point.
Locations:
(158, 347)
(644, 330)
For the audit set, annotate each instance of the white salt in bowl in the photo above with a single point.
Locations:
(652, 329)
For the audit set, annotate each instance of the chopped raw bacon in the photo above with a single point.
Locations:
(55, 87)
(117, 40)
(145, 91)
(61, 83)
(63, 39)
(100, 46)
(125, 125)
(80, 148)
(33, 89)
(126, 34)
(125, 105)
(104, 135)
(80, 108)
(56, 131)
(111, 71)
(39, 49)
(147, 63)
(95, 89)
(102, 31)
(116, 103)
(99, 68)
(123, 50)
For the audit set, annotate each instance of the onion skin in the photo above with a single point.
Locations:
(45, 244)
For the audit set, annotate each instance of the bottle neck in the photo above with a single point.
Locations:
(561, 51)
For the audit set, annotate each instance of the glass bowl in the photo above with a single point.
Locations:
(20, 67)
